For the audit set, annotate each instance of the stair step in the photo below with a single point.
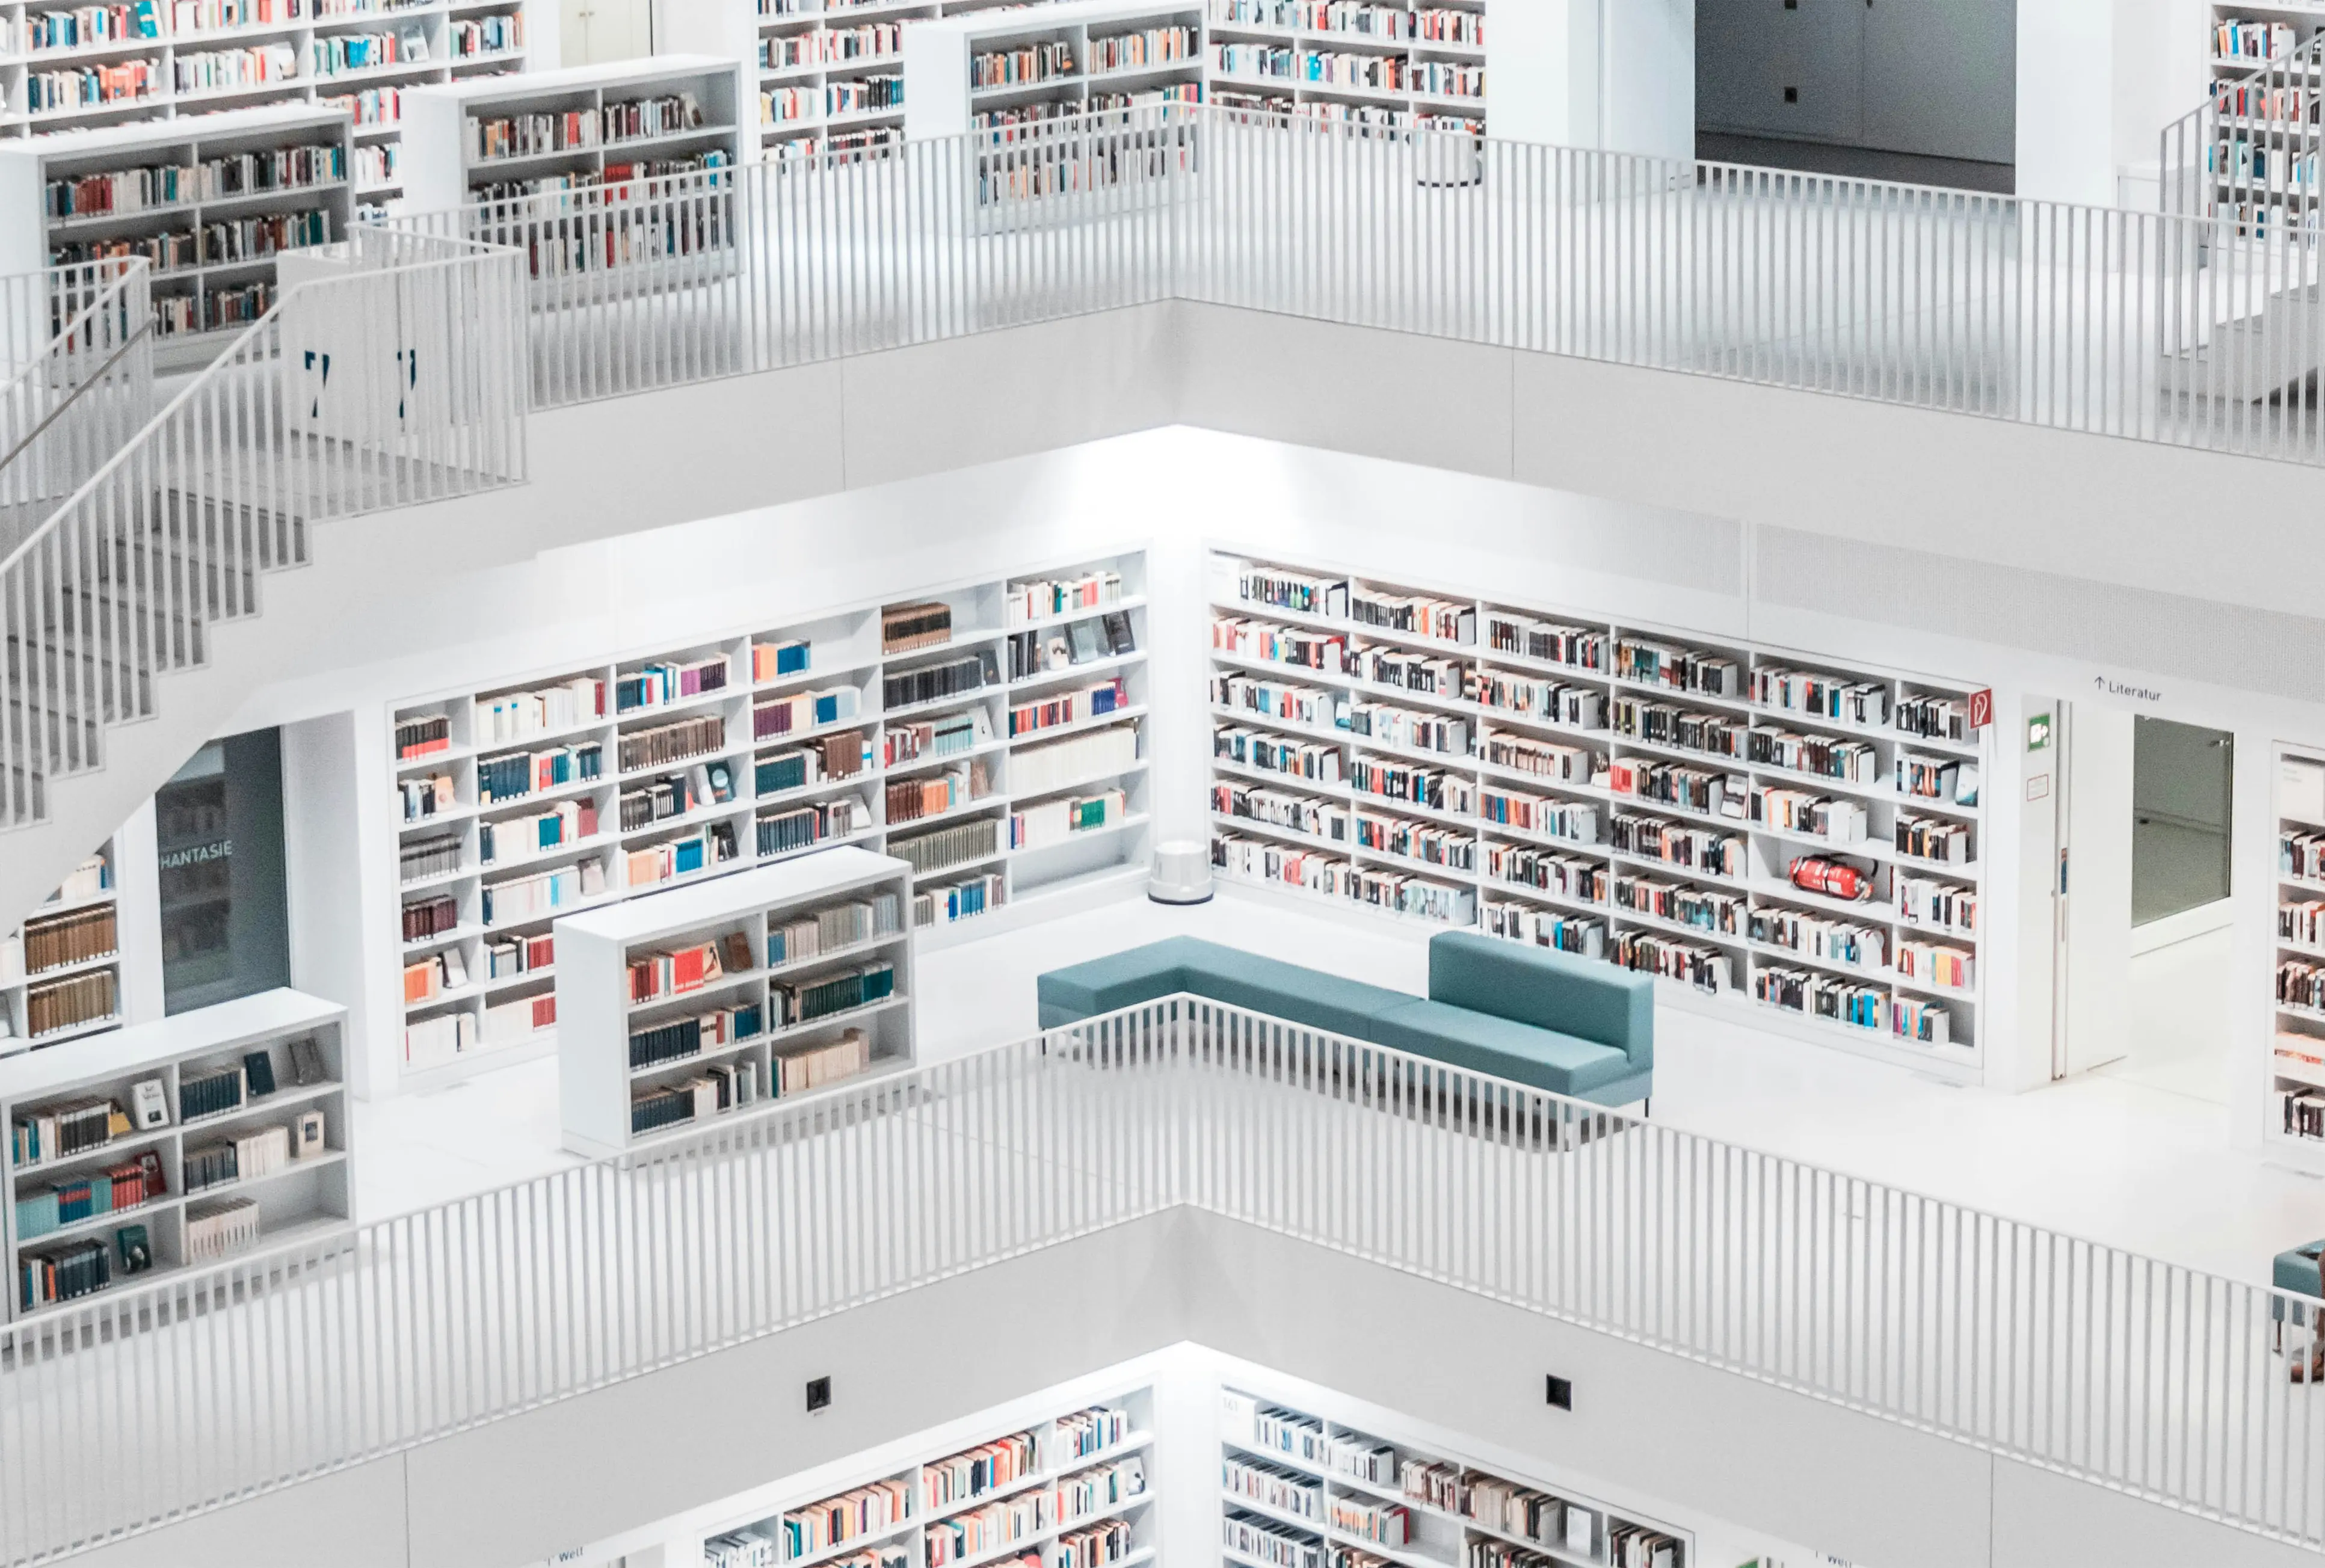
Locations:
(2227, 370)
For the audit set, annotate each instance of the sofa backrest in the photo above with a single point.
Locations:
(1587, 998)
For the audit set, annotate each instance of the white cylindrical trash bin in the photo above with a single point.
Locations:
(1182, 873)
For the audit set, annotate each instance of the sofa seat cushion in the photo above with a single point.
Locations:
(1288, 990)
(1118, 979)
(1482, 1043)
(1224, 974)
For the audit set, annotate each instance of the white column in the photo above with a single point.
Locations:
(2067, 100)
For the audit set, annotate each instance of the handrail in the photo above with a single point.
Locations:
(144, 331)
(66, 284)
(166, 535)
(2199, 163)
(2159, 1380)
(2098, 320)
(68, 408)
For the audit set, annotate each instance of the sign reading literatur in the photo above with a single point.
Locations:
(1981, 708)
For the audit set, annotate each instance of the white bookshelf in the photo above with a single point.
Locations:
(1601, 879)
(2263, 159)
(2240, 40)
(1259, 56)
(1102, 1454)
(621, 127)
(831, 79)
(2298, 1032)
(1324, 1486)
(949, 766)
(628, 1063)
(304, 1196)
(202, 56)
(65, 981)
(214, 251)
(992, 71)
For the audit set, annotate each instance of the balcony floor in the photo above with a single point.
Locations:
(2139, 1154)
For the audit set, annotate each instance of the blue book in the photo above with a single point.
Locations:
(36, 1215)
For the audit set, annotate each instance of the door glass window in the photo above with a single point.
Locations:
(224, 908)
(2181, 816)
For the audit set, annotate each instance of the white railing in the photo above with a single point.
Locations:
(393, 378)
(78, 399)
(2244, 166)
(2162, 328)
(2132, 324)
(2248, 156)
(205, 1387)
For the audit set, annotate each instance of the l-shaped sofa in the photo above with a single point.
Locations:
(1551, 1021)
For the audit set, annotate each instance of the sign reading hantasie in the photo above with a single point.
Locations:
(196, 854)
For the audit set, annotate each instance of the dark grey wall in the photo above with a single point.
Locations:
(1933, 78)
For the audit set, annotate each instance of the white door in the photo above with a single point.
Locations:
(593, 30)
(2043, 909)
(2095, 867)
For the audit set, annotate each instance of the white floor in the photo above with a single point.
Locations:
(2137, 1155)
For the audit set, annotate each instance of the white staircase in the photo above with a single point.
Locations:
(2241, 319)
(316, 412)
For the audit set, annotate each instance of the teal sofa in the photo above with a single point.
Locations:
(1577, 1026)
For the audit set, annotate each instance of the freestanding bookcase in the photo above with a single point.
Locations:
(231, 192)
(831, 78)
(201, 1064)
(788, 959)
(455, 153)
(990, 70)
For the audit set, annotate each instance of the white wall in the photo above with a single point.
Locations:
(2066, 100)
(2160, 75)
(1646, 78)
(2097, 81)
